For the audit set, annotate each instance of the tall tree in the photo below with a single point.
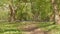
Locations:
(11, 8)
(56, 11)
(12, 11)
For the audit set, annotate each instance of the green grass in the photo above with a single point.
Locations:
(8, 28)
(12, 28)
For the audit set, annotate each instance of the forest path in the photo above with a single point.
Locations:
(35, 31)
(32, 29)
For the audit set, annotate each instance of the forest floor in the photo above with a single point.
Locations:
(29, 28)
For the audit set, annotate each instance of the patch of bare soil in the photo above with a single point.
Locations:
(32, 29)
(29, 27)
(36, 31)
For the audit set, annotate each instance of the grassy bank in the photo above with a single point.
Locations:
(13, 28)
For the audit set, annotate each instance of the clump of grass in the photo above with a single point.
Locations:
(45, 24)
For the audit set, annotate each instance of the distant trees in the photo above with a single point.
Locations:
(37, 10)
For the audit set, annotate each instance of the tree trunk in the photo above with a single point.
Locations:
(56, 12)
(12, 13)
(52, 17)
